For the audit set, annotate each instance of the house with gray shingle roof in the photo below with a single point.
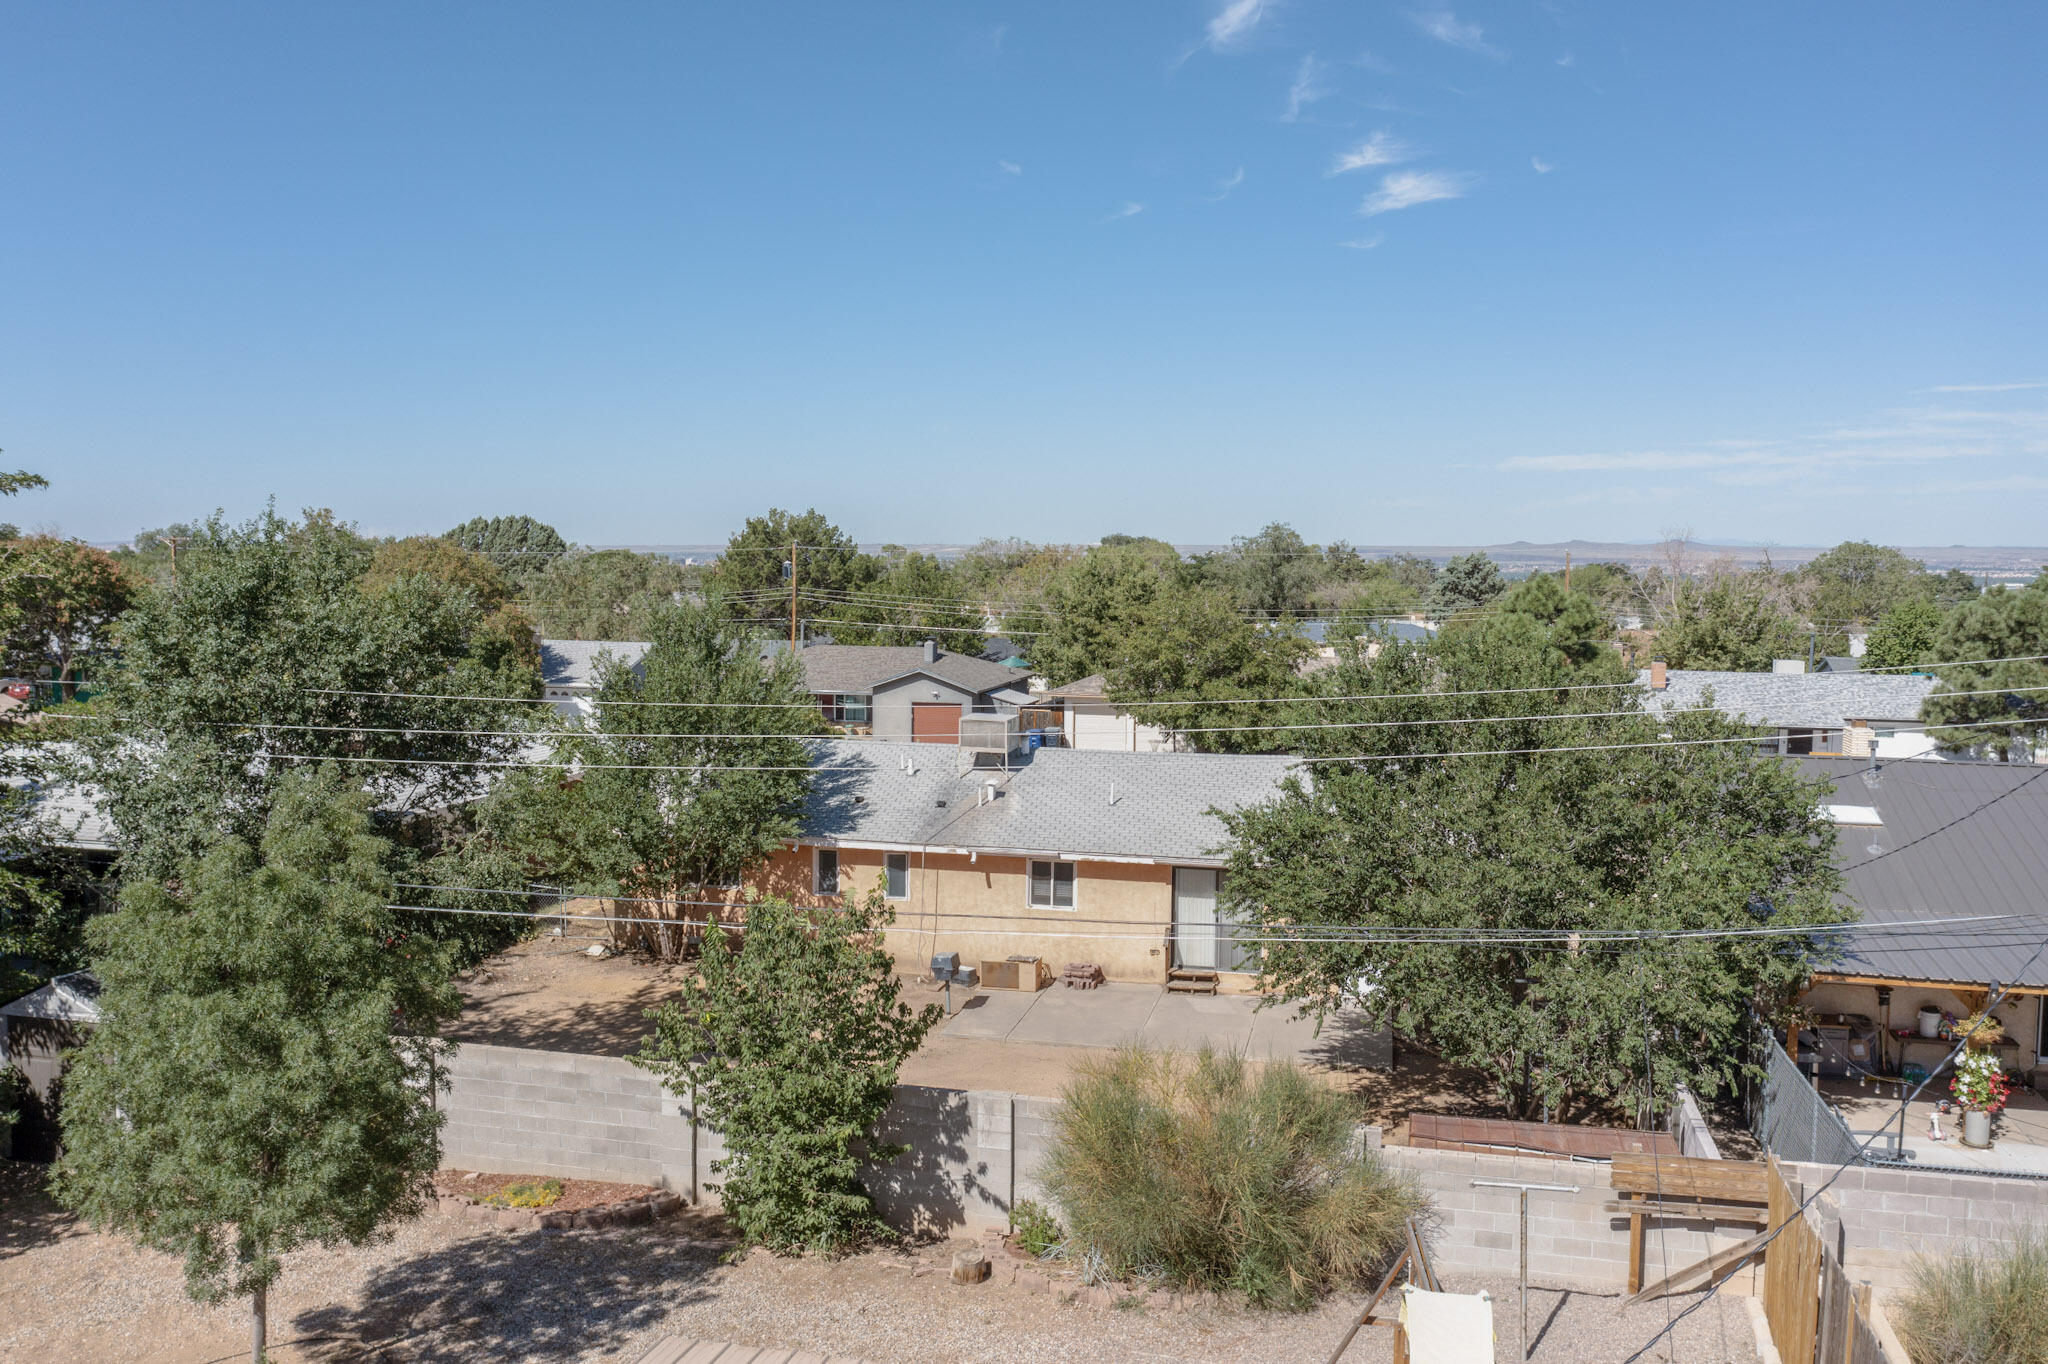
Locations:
(1067, 855)
(1844, 713)
(569, 668)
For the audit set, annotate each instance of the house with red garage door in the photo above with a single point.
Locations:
(916, 694)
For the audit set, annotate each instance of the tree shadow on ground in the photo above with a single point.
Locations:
(29, 1217)
(532, 1295)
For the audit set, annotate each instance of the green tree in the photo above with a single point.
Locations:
(1573, 626)
(750, 577)
(244, 1094)
(1092, 602)
(1735, 621)
(505, 637)
(21, 481)
(1514, 843)
(270, 655)
(61, 600)
(1191, 647)
(604, 594)
(1276, 572)
(152, 555)
(2011, 714)
(689, 778)
(798, 1094)
(1855, 584)
(1905, 636)
(519, 545)
(916, 598)
(1953, 588)
(1467, 582)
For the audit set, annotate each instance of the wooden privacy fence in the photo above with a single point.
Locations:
(1815, 1315)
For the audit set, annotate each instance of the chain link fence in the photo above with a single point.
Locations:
(1791, 1119)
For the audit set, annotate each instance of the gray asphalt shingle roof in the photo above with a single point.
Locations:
(573, 662)
(1958, 840)
(856, 668)
(1795, 700)
(1058, 801)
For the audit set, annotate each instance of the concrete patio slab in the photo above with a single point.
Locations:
(990, 1013)
(1107, 1016)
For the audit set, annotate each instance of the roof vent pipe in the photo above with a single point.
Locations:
(1658, 679)
(931, 651)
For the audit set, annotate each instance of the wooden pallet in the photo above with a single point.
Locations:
(1191, 982)
(676, 1350)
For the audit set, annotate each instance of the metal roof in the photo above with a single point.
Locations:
(1794, 700)
(1056, 802)
(572, 663)
(1959, 840)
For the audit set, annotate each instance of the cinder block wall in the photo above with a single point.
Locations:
(1879, 1219)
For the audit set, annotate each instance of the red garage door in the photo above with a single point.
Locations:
(932, 723)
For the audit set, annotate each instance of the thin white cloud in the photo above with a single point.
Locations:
(1009, 168)
(1567, 60)
(1446, 27)
(1234, 22)
(1986, 388)
(1406, 189)
(1364, 243)
(1381, 149)
(1540, 166)
(996, 36)
(1223, 187)
(1311, 83)
(1129, 210)
(1379, 66)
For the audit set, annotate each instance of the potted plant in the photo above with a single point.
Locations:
(1980, 1086)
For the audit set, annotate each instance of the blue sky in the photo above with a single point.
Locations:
(1390, 273)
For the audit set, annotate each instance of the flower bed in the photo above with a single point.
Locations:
(496, 1200)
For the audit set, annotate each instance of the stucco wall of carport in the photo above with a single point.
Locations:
(2021, 1014)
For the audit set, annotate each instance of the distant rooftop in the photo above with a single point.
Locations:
(1794, 700)
(571, 664)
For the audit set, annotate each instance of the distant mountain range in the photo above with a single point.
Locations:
(1995, 563)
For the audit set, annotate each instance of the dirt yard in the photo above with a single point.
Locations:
(446, 1290)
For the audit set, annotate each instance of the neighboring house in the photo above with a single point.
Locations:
(36, 1031)
(1110, 858)
(568, 669)
(1086, 718)
(1848, 714)
(1964, 844)
(915, 693)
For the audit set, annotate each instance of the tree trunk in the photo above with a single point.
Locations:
(259, 1324)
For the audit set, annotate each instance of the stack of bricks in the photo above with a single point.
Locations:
(1081, 975)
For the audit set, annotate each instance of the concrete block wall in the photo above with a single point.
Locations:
(1574, 1242)
(1878, 1219)
(516, 1111)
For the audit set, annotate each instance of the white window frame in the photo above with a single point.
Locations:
(1073, 871)
(818, 857)
(889, 861)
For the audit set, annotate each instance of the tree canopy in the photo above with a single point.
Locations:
(1519, 843)
(271, 654)
(1730, 620)
(603, 594)
(263, 1075)
(58, 605)
(750, 578)
(688, 780)
(1856, 584)
(1276, 572)
(1467, 582)
(1906, 635)
(916, 598)
(518, 545)
(2010, 715)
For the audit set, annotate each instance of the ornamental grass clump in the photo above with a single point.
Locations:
(1978, 1306)
(1213, 1173)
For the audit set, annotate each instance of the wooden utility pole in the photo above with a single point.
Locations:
(792, 595)
(1567, 571)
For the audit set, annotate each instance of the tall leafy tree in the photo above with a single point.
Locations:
(505, 637)
(916, 598)
(797, 1093)
(1467, 582)
(1574, 628)
(61, 600)
(1855, 584)
(518, 545)
(1190, 647)
(1731, 620)
(1093, 601)
(1906, 635)
(269, 654)
(21, 481)
(1393, 833)
(605, 594)
(1276, 572)
(689, 779)
(751, 579)
(2008, 714)
(263, 1078)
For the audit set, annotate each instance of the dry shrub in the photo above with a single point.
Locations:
(1208, 1172)
(1979, 1307)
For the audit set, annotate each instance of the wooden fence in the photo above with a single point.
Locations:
(1816, 1316)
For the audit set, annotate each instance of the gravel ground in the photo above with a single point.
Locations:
(445, 1289)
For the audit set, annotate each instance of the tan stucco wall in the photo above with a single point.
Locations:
(2021, 1015)
(1120, 920)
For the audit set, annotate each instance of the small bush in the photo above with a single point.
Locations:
(537, 1193)
(1211, 1173)
(1037, 1230)
(1979, 1307)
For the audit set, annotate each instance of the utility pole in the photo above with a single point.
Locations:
(792, 596)
(1567, 572)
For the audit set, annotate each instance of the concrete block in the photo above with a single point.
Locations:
(1493, 1240)
(1904, 1202)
